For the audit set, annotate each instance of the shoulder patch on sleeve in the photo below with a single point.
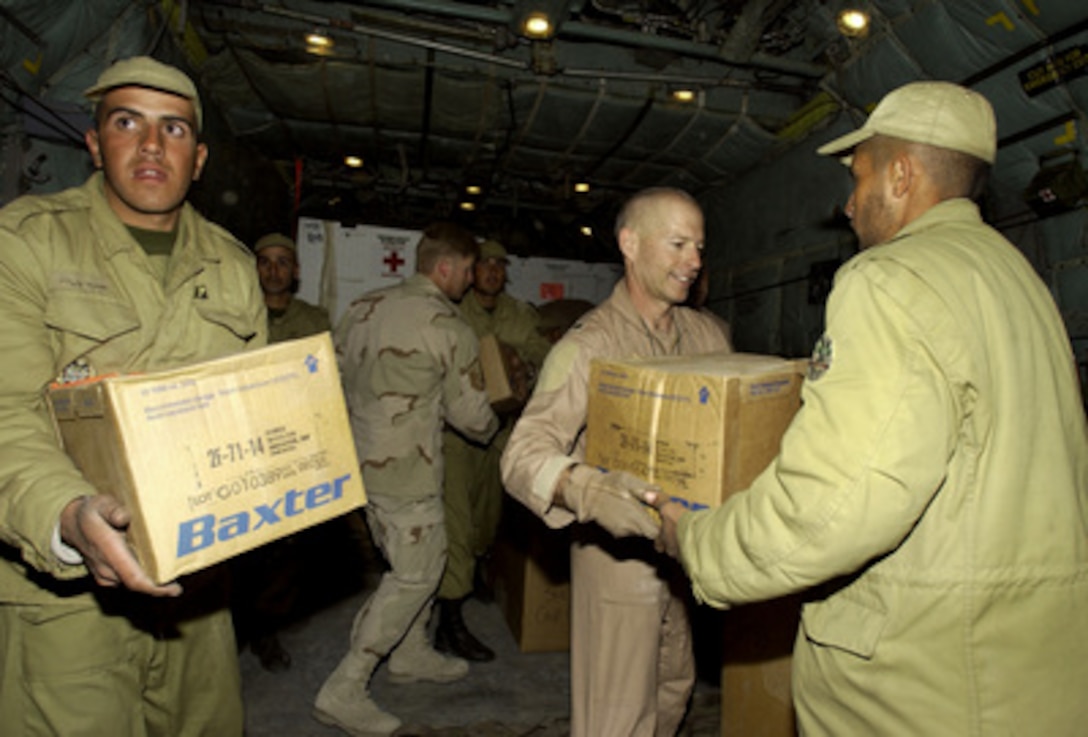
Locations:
(557, 365)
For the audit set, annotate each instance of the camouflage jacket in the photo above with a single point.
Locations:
(409, 363)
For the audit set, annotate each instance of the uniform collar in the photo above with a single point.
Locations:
(113, 237)
(959, 209)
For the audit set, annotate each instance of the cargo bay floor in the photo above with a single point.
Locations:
(516, 694)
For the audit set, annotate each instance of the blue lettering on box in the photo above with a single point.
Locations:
(202, 532)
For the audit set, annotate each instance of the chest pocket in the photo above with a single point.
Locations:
(91, 319)
(230, 314)
(846, 625)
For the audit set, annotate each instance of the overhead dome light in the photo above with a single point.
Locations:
(683, 94)
(473, 189)
(581, 187)
(318, 42)
(853, 23)
(468, 206)
(353, 161)
(586, 231)
(537, 25)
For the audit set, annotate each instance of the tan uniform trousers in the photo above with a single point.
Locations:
(472, 496)
(632, 667)
(82, 672)
(412, 536)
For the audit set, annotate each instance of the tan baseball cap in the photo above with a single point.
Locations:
(935, 113)
(492, 249)
(274, 239)
(143, 71)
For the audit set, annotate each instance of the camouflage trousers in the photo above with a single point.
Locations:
(412, 536)
(472, 495)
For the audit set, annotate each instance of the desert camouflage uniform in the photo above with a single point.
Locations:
(473, 488)
(409, 363)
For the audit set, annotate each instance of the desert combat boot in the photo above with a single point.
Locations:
(344, 700)
(415, 660)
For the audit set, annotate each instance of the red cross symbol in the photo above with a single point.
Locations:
(392, 260)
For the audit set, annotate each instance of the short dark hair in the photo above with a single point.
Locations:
(441, 240)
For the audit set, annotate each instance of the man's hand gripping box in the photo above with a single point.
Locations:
(701, 427)
(219, 457)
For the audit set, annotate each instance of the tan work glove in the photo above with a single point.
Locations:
(611, 499)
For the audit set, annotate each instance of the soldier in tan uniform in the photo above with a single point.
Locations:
(932, 493)
(267, 581)
(632, 669)
(473, 489)
(117, 275)
(288, 316)
(409, 363)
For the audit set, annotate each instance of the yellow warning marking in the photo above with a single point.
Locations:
(1002, 19)
(1031, 6)
(1070, 134)
(33, 66)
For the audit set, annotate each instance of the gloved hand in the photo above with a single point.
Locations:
(611, 499)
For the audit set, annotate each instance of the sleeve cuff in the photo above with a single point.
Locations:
(548, 476)
(64, 552)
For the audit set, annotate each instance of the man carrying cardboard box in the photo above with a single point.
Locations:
(931, 496)
(473, 490)
(409, 363)
(632, 668)
(117, 275)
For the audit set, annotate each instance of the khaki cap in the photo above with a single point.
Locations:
(143, 71)
(274, 239)
(934, 113)
(492, 249)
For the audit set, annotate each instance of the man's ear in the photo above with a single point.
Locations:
(902, 174)
(200, 160)
(91, 139)
(628, 240)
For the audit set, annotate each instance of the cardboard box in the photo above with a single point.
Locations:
(216, 458)
(506, 387)
(531, 568)
(700, 426)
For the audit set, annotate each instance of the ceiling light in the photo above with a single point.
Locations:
(683, 94)
(353, 161)
(586, 231)
(581, 187)
(468, 206)
(537, 25)
(318, 42)
(853, 23)
(473, 189)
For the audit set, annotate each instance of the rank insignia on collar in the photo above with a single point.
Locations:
(821, 358)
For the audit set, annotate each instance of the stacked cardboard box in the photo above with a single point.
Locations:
(531, 567)
(216, 458)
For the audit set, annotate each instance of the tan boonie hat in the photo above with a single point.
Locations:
(492, 249)
(274, 239)
(143, 71)
(935, 113)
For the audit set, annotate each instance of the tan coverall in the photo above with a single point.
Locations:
(632, 668)
(408, 363)
(937, 477)
(79, 298)
(473, 490)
